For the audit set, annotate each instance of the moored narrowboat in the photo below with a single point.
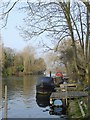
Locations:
(45, 85)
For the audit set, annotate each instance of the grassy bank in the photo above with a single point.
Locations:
(77, 109)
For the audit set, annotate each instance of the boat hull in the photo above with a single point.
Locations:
(46, 85)
(46, 89)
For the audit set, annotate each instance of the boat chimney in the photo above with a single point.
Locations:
(50, 73)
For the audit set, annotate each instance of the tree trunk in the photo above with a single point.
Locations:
(88, 61)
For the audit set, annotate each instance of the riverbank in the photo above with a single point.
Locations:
(78, 109)
(23, 74)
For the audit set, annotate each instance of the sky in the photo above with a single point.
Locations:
(11, 36)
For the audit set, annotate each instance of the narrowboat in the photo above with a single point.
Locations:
(45, 85)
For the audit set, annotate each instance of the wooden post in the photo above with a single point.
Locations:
(81, 109)
(66, 93)
(5, 110)
(0, 92)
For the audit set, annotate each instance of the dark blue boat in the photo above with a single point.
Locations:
(45, 85)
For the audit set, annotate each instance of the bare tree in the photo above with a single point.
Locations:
(5, 8)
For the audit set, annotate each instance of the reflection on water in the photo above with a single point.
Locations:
(58, 110)
(22, 99)
(43, 100)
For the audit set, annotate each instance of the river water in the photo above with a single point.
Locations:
(22, 99)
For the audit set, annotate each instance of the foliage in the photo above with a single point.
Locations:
(25, 62)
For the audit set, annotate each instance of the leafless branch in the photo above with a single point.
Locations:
(5, 15)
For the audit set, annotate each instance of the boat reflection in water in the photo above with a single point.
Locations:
(43, 100)
(58, 108)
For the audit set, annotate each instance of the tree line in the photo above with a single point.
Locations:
(21, 63)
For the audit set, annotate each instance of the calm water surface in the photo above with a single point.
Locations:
(22, 99)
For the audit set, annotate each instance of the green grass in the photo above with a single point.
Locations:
(74, 110)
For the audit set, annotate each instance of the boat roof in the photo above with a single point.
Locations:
(45, 79)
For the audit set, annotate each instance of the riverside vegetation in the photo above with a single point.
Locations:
(23, 62)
